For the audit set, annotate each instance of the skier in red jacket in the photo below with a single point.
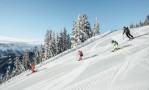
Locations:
(31, 55)
(33, 67)
(80, 54)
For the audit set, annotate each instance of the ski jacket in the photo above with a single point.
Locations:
(126, 30)
(80, 53)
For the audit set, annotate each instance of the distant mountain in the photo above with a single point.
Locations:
(16, 46)
(5, 39)
(12, 47)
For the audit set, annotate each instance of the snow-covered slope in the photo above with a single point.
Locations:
(101, 69)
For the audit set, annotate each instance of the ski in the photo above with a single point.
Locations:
(115, 50)
(31, 73)
(36, 71)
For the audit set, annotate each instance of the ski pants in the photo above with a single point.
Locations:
(129, 35)
(80, 57)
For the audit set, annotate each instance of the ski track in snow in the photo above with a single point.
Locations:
(99, 80)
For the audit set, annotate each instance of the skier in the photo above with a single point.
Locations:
(31, 56)
(127, 31)
(33, 67)
(116, 47)
(80, 53)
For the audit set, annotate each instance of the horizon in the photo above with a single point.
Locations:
(31, 19)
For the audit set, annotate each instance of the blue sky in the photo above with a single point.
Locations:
(31, 18)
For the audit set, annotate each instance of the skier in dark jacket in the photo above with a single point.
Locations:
(127, 31)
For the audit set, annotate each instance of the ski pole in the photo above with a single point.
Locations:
(123, 36)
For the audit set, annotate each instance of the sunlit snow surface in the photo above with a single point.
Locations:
(100, 69)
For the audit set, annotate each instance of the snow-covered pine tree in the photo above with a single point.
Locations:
(1, 79)
(41, 53)
(61, 44)
(47, 42)
(61, 41)
(140, 24)
(57, 44)
(6, 77)
(78, 32)
(64, 39)
(81, 30)
(68, 45)
(53, 45)
(18, 67)
(50, 44)
(96, 28)
(13, 73)
(37, 56)
(25, 60)
(131, 26)
(137, 25)
(74, 35)
(146, 22)
(86, 27)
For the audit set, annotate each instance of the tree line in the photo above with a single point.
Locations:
(140, 24)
